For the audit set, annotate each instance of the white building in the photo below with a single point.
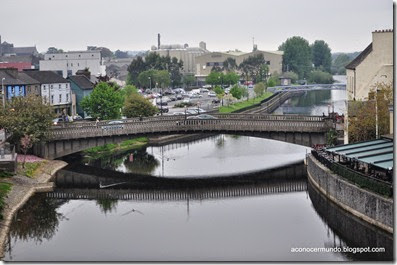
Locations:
(182, 52)
(54, 89)
(68, 63)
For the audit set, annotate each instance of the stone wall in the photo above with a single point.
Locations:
(366, 205)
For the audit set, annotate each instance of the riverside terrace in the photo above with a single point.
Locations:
(369, 163)
(298, 129)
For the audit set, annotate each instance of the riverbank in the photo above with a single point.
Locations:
(368, 206)
(22, 189)
(244, 104)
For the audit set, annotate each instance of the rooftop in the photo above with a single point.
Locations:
(353, 64)
(46, 77)
(378, 153)
(82, 81)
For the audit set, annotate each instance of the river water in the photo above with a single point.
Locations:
(216, 198)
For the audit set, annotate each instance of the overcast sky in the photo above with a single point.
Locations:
(346, 25)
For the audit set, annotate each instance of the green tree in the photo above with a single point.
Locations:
(128, 90)
(188, 80)
(103, 103)
(253, 66)
(137, 66)
(321, 55)
(136, 106)
(259, 89)
(294, 77)
(237, 91)
(231, 78)
(297, 56)
(26, 116)
(214, 78)
(147, 78)
(219, 90)
(320, 77)
(339, 63)
(230, 64)
(162, 78)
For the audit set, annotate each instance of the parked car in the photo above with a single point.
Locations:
(77, 118)
(178, 113)
(211, 94)
(206, 117)
(203, 90)
(191, 112)
(162, 109)
(186, 100)
(172, 98)
(179, 97)
(113, 125)
(197, 110)
(216, 100)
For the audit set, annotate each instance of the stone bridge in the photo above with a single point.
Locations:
(297, 129)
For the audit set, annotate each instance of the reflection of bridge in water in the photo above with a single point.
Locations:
(78, 185)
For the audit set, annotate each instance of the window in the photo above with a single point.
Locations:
(44, 87)
(60, 86)
(12, 90)
(20, 90)
(67, 98)
(60, 98)
(52, 99)
(71, 64)
(51, 87)
(78, 64)
(66, 86)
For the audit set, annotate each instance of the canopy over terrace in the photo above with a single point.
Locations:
(375, 154)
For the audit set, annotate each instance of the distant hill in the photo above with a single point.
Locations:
(340, 60)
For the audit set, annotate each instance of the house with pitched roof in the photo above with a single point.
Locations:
(373, 65)
(54, 89)
(14, 85)
(81, 86)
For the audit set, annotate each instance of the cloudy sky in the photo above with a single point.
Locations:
(346, 25)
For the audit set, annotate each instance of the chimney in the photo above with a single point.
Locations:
(158, 41)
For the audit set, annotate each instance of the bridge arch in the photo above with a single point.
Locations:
(297, 129)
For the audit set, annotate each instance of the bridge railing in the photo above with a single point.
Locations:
(276, 124)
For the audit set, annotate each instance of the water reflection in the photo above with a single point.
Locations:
(315, 103)
(219, 155)
(350, 231)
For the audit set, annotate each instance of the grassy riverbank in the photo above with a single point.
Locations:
(99, 151)
(4, 190)
(244, 104)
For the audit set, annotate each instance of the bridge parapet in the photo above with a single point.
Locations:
(225, 123)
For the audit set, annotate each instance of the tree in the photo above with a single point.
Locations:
(54, 50)
(103, 103)
(297, 56)
(231, 78)
(362, 114)
(128, 90)
(214, 78)
(259, 89)
(339, 63)
(162, 78)
(26, 143)
(138, 106)
(27, 116)
(134, 69)
(188, 80)
(147, 78)
(229, 64)
(253, 66)
(321, 55)
(120, 54)
(237, 91)
(293, 76)
(320, 77)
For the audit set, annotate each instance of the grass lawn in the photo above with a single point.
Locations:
(244, 104)
(30, 168)
(99, 151)
(4, 189)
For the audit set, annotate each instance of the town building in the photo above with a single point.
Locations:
(54, 90)
(373, 65)
(81, 86)
(12, 83)
(184, 53)
(68, 63)
(206, 62)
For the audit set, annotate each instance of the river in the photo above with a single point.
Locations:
(218, 198)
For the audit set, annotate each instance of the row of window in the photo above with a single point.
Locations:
(52, 86)
(60, 99)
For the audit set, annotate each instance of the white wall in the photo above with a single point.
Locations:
(58, 89)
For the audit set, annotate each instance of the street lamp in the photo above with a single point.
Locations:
(3, 92)
(150, 80)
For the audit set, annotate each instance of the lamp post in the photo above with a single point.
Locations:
(3, 92)
(150, 81)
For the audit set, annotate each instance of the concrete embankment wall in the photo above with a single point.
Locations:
(372, 208)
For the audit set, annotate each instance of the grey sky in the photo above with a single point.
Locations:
(346, 25)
